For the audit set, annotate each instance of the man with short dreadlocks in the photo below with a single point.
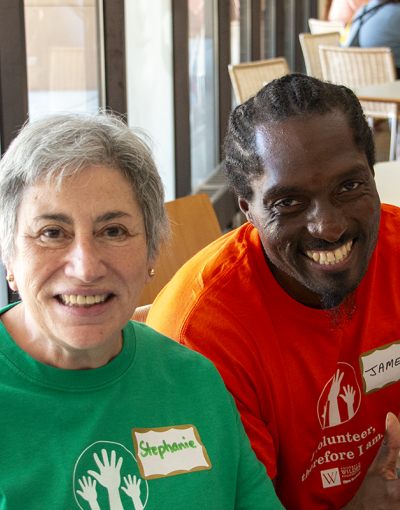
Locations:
(299, 308)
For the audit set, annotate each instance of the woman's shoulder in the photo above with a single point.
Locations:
(168, 364)
(162, 349)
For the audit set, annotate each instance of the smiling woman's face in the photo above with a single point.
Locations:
(80, 265)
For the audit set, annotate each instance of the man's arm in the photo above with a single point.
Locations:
(381, 487)
(225, 340)
(254, 488)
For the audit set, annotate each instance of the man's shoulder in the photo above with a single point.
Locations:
(235, 243)
(203, 278)
(217, 260)
(162, 355)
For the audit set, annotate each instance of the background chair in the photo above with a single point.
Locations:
(387, 178)
(309, 45)
(194, 225)
(318, 26)
(359, 67)
(249, 77)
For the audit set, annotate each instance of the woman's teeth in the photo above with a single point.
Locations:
(330, 258)
(78, 300)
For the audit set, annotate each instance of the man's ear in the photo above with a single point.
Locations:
(372, 171)
(245, 208)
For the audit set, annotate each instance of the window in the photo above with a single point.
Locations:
(202, 79)
(63, 56)
(150, 88)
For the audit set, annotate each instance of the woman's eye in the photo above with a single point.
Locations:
(287, 202)
(350, 186)
(52, 233)
(115, 231)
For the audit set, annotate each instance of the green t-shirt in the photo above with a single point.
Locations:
(155, 428)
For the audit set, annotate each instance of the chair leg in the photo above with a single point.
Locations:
(393, 138)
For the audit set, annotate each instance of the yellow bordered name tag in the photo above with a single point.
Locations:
(169, 451)
(380, 367)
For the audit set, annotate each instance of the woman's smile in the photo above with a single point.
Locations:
(82, 300)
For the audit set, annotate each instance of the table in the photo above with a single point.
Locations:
(387, 178)
(383, 92)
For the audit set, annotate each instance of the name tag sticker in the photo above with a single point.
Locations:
(380, 367)
(169, 451)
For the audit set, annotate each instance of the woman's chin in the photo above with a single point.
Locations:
(77, 329)
(83, 347)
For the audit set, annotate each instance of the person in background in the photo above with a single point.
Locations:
(99, 412)
(377, 25)
(341, 10)
(299, 308)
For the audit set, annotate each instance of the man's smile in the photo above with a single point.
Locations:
(330, 258)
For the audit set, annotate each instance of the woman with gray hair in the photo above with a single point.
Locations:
(100, 412)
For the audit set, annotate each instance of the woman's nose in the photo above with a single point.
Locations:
(327, 222)
(84, 260)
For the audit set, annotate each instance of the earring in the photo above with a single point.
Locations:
(10, 278)
(151, 272)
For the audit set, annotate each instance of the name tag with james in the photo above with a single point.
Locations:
(168, 451)
(380, 367)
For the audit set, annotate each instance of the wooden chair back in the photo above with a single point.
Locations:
(309, 45)
(194, 225)
(319, 26)
(359, 67)
(249, 77)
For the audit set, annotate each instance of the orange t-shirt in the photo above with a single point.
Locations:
(313, 408)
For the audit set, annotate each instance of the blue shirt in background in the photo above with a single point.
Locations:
(380, 28)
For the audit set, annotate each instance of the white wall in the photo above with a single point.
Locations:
(148, 36)
(3, 286)
(321, 4)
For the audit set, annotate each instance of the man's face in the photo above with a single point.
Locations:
(316, 207)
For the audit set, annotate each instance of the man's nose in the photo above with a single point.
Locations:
(327, 221)
(85, 261)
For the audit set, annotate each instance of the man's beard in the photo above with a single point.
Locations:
(339, 309)
(338, 298)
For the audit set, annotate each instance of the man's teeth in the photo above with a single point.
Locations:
(78, 300)
(330, 258)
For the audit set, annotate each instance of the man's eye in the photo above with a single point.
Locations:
(287, 202)
(350, 186)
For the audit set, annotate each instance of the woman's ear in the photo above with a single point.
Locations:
(150, 271)
(10, 275)
(245, 208)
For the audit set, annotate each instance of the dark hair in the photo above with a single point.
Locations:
(293, 95)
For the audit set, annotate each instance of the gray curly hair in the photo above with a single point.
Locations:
(62, 145)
